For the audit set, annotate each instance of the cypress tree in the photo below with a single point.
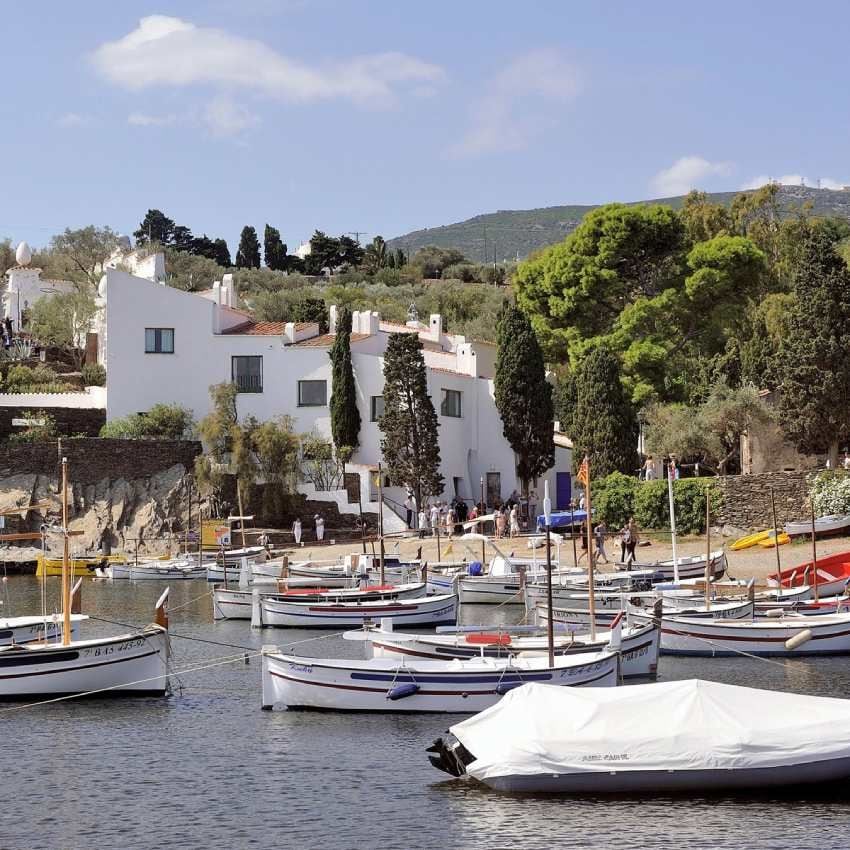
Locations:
(523, 395)
(345, 416)
(248, 255)
(274, 250)
(603, 425)
(410, 445)
(814, 357)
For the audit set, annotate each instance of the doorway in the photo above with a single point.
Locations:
(563, 490)
(494, 488)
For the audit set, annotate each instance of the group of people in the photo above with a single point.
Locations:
(447, 518)
(653, 471)
(628, 535)
(297, 529)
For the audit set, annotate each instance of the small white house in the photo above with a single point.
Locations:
(24, 286)
(160, 344)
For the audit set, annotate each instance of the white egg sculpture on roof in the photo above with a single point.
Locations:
(23, 254)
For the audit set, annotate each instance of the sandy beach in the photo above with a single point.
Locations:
(755, 562)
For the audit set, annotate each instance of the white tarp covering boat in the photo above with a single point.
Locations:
(688, 735)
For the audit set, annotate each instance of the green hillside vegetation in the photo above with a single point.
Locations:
(518, 233)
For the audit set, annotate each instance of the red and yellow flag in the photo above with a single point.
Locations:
(583, 476)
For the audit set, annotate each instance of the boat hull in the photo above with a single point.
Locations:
(306, 683)
(763, 637)
(427, 611)
(129, 664)
(152, 571)
(638, 649)
(664, 781)
(21, 630)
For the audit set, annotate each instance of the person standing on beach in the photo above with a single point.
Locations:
(583, 539)
(599, 534)
(532, 509)
(435, 518)
(632, 541)
(320, 528)
(408, 507)
(514, 520)
(296, 530)
(423, 522)
(624, 536)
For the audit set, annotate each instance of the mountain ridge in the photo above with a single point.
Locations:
(517, 233)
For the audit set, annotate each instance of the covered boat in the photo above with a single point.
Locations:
(178, 569)
(419, 685)
(823, 525)
(674, 736)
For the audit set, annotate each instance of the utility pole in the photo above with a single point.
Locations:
(357, 234)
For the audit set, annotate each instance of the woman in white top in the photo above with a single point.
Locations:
(514, 517)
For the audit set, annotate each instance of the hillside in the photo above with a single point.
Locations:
(519, 232)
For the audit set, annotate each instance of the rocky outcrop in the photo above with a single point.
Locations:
(112, 513)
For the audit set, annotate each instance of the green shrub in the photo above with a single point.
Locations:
(94, 375)
(652, 510)
(35, 433)
(162, 421)
(614, 498)
(23, 379)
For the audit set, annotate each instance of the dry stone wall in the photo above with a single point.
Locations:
(746, 499)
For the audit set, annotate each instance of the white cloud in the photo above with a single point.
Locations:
(686, 173)
(142, 119)
(170, 52)
(794, 180)
(224, 117)
(508, 115)
(73, 119)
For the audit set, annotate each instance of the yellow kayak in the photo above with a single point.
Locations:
(772, 541)
(751, 540)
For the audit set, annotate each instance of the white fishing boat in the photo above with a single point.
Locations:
(178, 569)
(502, 584)
(639, 645)
(420, 685)
(242, 603)
(135, 662)
(21, 630)
(603, 618)
(828, 524)
(788, 635)
(424, 611)
(689, 567)
(689, 736)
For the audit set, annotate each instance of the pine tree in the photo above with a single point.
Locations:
(222, 253)
(248, 255)
(156, 226)
(523, 395)
(603, 424)
(410, 444)
(345, 416)
(274, 250)
(814, 357)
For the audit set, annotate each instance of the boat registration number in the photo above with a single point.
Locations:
(98, 651)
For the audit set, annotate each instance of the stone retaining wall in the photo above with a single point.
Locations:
(92, 460)
(746, 499)
(69, 420)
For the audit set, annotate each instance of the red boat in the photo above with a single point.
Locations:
(833, 573)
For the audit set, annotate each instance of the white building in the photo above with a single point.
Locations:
(24, 286)
(160, 344)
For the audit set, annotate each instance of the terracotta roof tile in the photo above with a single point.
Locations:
(257, 329)
(326, 340)
(449, 371)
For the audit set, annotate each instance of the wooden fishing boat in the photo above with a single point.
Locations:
(237, 604)
(135, 662)
(425, 611)
(689, 567)
(178, 569)
(419, 685)
(639, 645)
(21, 630)
(828, 524)
(80, 566)
(786, 636)
(687, 736)
(832, 576)
(502, 584)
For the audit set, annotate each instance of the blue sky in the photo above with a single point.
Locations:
(384, 116)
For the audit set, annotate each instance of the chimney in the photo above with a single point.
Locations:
(227, 281)
(436, 327)
(289, 333)
(332, 318)
(217, 292)
(374, 319)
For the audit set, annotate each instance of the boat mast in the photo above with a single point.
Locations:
(547, 513)
(776, 542)
(671, 471)
(584, 477)
(814, 555)
(66, 573)
(708, 570)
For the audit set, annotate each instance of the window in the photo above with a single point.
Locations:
(312, 393)
(159, 340)
(450, 406)
(247, 374)
(377, 407)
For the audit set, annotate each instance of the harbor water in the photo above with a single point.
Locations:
(207, 768)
